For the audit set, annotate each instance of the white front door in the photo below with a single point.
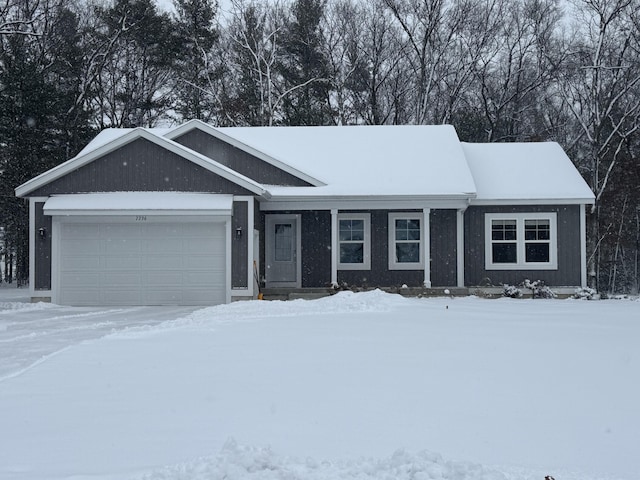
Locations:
(282, 243)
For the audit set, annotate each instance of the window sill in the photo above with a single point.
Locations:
(353, 266)
(525, 266)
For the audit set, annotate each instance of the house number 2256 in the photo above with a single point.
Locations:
(141, 218)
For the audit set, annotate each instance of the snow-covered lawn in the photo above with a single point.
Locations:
(356, 386)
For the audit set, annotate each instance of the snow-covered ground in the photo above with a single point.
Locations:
(356, 386)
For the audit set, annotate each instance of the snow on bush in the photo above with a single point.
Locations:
(511, 291)
(236, 462)
(585, 293)
(538, 289)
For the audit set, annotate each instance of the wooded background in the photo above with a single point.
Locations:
(498, 70)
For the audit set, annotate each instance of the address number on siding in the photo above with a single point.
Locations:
(141, 218)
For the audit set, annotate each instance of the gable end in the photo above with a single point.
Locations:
(140, 165)
(238, 160)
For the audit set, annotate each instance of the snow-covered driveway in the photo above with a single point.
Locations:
(29, 333)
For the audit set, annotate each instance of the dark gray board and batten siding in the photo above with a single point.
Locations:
(140, 166)
(42, 249)
(239, 245)
(568, 242)
(238, 160)
(316, 252)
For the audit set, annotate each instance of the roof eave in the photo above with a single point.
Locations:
(324, 202)
(533, 201)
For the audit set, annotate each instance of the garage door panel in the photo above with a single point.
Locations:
(77, 246)
(204, 279)
(80, 230)
(120, 230)
(121, 262)
(195, 246)
(165, 263)
(85, 296)
(113, 246)
(82, 262)
(166, 245)
(162, 262)
(195, 296)
(80, 279)
(167, 279)
(163, 297)
(121, 279)
(120, 297)
(202, 262)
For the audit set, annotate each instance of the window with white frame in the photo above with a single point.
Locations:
(520, 241)
(354, 241)
(405, 241)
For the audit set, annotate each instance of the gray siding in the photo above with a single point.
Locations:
(42, 246)
(316, 249)
(569, 268)
(238, 160)
(380, 275)
(240, 245)
(141, 166)
(316, 252)
(443, 248)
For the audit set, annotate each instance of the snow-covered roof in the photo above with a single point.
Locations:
(110, 134)
(157, 202)
(521, 172)
(366, 160)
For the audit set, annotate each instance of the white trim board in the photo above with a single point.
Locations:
(139, 203)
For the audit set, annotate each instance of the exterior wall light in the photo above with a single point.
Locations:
(42, 232)
(238, 233)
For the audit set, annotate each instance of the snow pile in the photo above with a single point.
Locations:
(7, 309)
(237, 462)
(339, 304)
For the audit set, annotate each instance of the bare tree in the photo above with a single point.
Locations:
(19, 17)
(342, 40)
(515, 74)
(600, 86)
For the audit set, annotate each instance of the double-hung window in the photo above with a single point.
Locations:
(405, 241)
(521, 241)
(354, 241)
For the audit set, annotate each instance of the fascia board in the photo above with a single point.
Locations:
(208, 129)
(533, 201)
(116, 212)
(365, 203)
(201, 160)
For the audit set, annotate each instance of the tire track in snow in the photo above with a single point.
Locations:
(33, 335)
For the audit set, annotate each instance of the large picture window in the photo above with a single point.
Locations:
(405, 241)
(520, 241)
(354, 241)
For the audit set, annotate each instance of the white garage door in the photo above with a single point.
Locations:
(142, 263)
